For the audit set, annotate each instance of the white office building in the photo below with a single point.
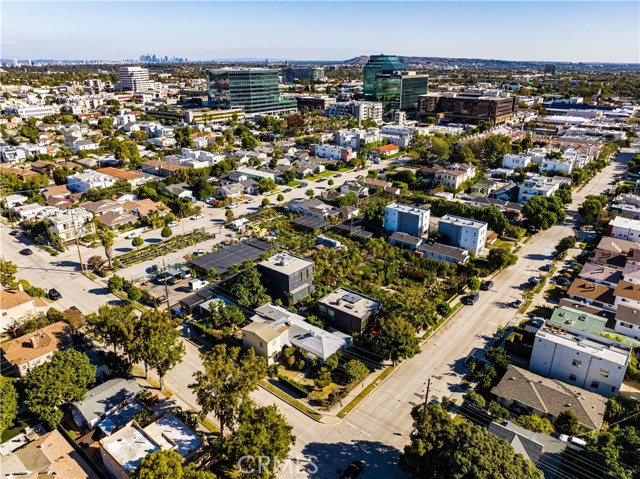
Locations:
(135, 79)
(31, 111)
(591, 362)
(464, 233)
(401, 218)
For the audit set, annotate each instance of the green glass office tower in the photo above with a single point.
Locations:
(387, 80)
(255, 90)
(379, 64)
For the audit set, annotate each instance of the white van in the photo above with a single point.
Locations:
(196, 284)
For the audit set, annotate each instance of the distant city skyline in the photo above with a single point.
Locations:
(603, 31)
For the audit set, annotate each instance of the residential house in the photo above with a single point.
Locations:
(386, 150)
(230, 190)
(180, 190)
(312, 207)
(72, 224)
(347, 310)
(444, 253)
(624, 228)
(548, 398)
(354, 187)
(600, 274)
(592, 293)
(132, 177)
(288, 277)
(113, 219)
(345, 154)
(412, 220)
(21, 355)
(266, 340)
(627, 321)
(405, 241)
(627, 294)
(588, 361)
(464, 233)
(48, 455)
(16, 304)
(513, 161)
(627, 205)
(89, 180)
(142, 208)
(455, 175)
(102, 206)
(538, 186)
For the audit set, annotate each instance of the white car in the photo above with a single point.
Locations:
(133, 234)
(173, 224)
(232, 206)
(197, 217)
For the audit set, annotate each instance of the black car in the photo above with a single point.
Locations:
(26, 252)
(14, 233)
(353, 470)
(486, 286)
(54, 295)
(471, 299)
(339, 175)
(287, 190)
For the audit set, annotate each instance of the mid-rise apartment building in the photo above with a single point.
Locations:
(538, 186)
(624, 228)
(401, 218)
(72, 224)
(464, 233)
(288, 277)
(312, 74)
(333, 152)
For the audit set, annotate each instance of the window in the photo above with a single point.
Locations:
(604, 373)
(595, 385)
(572, 377)
(576, 363)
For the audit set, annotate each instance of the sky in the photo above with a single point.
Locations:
(591, 31)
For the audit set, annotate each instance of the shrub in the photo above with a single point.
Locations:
(497, 411)
(296, 386)
(134, 294)
(115, 283)
(535, 424)
(475, 398)
(166, 232)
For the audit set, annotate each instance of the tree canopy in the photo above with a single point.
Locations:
(397, 339)
(248, 289)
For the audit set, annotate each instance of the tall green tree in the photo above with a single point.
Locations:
(65, 378)
(114, 326)
(355, 370)
(397, 339)
(248, 289)
(538, 213)
(261, 431)
(568, 423)
(224, 315)
(443, 449)
(8, 272)
(226, 381)
(8, 404)
(160, 465)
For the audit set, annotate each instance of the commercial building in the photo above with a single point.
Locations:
(312, 74)
(21, 355)
(624, 228)
(386, 80)
(31, 111)
(288, 277)
(314, 102)
(464, 233)
(588, 361)
(347, 310)
(255, 90)
(135, 79)
(467, 107)
(412, 220)
(548, 398)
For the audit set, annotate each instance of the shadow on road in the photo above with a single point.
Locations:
(153, 240)
(331, 459)
(538, 256)
(124, 250)
(99, 291)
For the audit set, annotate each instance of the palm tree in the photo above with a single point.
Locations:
(107, 237)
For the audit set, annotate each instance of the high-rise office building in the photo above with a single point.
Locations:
(550, 68)
(253, 89)
(135, 79)
(387, 80)
(312, 74)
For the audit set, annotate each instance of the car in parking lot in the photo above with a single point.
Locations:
(470, 299)
(173, 224)
(197, 217)
(26, 252)
(353, 470)
(517, 303)
(54, 294)
(486, 286)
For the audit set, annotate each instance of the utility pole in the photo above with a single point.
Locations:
(166, 290)
(426, 395)
(75, 232)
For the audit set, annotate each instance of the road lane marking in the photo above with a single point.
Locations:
(357, 428)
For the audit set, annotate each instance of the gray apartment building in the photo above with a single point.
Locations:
(288, 277)
(348, 311)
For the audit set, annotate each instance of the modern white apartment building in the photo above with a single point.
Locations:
(356, 138)
(624, 228)
(89, 180)
(360, 110)
(333, 152)
(538, 186)
(464, 233)
(31, 111)
(591, 362)
(71, 224)
(135, 79)
(402, 218)
(513, 161)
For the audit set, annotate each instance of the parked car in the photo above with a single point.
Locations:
(534, 280)
(197, 217)
(288, 190)
(321, 180)
(339, 175)
(199, 252)
(173, 224)
(54, 295)
(486, 286)
(251, 200)
(353, 470)
(232, 206)
(471, 299)
(26, 252)
(14, 233)
(546, 267)
(517, 303)
(133, 234)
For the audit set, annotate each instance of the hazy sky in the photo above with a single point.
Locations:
(605, 31)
